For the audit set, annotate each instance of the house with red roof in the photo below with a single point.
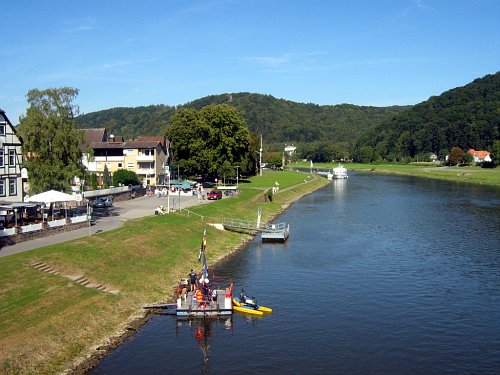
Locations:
(480, 156)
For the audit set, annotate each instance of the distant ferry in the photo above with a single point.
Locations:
(339, 172)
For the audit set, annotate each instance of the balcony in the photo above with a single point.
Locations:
(145, 158)
(145, 171)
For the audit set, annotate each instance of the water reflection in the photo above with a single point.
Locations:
(201, 330)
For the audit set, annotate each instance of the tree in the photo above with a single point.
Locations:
(106, 178)
(125, 177)
(495, 153)
(209, 141)
(51, 141)
(229, 137)
(456, 156)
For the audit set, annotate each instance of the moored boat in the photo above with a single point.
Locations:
(211, 298)
(244, 300)
(339, 172)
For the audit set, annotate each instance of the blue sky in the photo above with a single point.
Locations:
(131, 53)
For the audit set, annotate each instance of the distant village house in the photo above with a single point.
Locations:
(480, 156)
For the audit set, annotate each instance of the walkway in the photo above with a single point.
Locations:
(106, 219)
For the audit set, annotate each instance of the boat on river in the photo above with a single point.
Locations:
(212, 298)
(249, 305)
(338, 173)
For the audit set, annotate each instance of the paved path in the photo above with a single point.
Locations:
(106, 219)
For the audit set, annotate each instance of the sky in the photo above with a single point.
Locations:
(132, 53)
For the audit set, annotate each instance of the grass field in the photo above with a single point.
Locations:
(49, 322)
(470, 174)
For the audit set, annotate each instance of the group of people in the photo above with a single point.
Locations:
(202, 293)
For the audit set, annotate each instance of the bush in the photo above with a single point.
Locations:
(125, 177)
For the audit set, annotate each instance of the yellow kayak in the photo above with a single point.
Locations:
(258, 308)
(247, 310)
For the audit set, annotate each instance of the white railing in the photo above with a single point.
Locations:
(7, 232)
(56, 223)
(78, 219)
(31, 228)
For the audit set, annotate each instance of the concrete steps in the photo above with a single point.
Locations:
(78, 279)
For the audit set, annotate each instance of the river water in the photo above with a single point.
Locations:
(380, 275)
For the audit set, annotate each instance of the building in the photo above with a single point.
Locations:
(146, 156)
(480, 156)
(290, 150)
(11, 181)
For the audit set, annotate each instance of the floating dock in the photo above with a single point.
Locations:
(187, 306)
(276, 232)
(221, 306)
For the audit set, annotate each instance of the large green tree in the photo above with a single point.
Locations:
(210, 141)
(51, 141)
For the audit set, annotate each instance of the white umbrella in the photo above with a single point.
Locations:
(51, 196)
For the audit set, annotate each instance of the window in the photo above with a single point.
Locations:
(130, 165)
(2, 128)
(12, 186)
(2, 187)
(120, 165)
(1, 156)
(12, 157)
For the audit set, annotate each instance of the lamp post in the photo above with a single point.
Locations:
(237, 174)
(260, 156)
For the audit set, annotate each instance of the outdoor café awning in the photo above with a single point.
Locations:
(51, 196)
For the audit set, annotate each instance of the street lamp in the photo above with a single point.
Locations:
(237, 166)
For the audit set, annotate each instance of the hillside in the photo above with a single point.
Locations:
(280, 120)
(465, 117)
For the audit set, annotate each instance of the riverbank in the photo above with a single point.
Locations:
(50, 323)
(468, 174)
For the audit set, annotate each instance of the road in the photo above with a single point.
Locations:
(106, 219)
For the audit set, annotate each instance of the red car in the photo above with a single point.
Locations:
(214, 195)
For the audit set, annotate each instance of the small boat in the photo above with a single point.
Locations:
(339, 172)
(243, 300)
(247, 310)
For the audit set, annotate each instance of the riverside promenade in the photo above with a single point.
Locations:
(105, 219)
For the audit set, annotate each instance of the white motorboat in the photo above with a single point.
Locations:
(339, 172)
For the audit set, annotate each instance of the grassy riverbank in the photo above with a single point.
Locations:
(470, 174)
(49, 323)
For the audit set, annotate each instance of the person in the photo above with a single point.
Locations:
(192, 280)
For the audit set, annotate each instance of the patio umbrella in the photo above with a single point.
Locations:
(51, 196)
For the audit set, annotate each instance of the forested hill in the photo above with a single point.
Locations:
(129, 122)
(286, 121)
(465, 117)
(280, 120)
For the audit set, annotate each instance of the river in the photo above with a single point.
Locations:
(380, 275)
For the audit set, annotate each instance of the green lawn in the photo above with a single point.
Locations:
(470, 174)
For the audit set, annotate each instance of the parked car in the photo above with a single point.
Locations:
(103, 202)
(214, 195)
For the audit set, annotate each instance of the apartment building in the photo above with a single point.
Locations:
(11, 181)
(146, 156)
